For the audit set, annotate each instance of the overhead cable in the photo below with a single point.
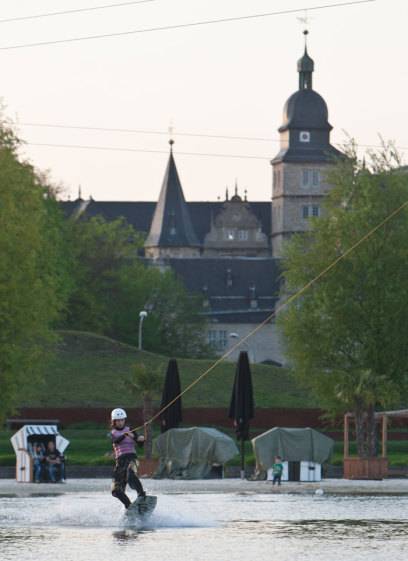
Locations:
(183, 25)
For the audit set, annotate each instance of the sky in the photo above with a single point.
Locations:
(226, 79)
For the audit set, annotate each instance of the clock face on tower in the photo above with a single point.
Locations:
(304, 136)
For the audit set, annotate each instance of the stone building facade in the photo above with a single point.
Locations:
(236, 231)
(230, 251)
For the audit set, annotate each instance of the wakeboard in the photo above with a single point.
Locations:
(142, 507)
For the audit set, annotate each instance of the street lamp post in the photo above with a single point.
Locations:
(142, 316)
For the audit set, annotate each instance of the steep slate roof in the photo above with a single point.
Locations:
(317, 154)
(171, 224)
(140, 214)
(231, 303)
(69, 207)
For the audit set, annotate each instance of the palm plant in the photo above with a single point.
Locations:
(145, 384)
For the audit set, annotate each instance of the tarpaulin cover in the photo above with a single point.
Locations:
(293, 445)
(190, 453)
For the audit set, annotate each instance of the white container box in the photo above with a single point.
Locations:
(309, 471)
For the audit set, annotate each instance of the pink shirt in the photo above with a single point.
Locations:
(125, 446)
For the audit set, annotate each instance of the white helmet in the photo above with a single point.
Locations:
(118, 414)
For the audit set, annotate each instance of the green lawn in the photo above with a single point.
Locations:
(397, 452)
(87, 370)
(88, 447)
(91, 447)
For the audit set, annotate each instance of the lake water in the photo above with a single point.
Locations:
(231, 527)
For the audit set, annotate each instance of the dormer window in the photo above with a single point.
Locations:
(206, 301)
(252, 295)
(172, 229)
(229, 278)
(230, 235)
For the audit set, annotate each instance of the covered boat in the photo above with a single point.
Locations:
(303, 451)
(191, 453)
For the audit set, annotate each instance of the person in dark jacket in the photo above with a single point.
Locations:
(54, 461)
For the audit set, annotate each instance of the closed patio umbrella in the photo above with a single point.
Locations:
(242, 403)
(172, 416)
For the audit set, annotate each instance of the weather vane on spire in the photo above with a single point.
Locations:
(305, 22)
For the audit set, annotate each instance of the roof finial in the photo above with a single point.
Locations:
(79, 192)
(305, 33)
(246, 195)
(171, 132)
(226, 193)
(236, 187)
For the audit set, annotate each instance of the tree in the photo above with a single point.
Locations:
(99, 249)
(34, 280)
(174, 317)
(112, 285)
(347, 334)
(146, 385)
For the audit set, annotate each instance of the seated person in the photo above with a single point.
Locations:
(54, 461)
(38, 460)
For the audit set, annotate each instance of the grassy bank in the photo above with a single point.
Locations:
(91, 447)
(88, 370)
(88, 447)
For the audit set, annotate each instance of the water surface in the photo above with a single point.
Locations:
(231, 527)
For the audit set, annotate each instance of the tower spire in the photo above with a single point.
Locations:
(305, 67)
(171, 226)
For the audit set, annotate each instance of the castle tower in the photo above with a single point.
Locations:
(171, 233)
(299, 169)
